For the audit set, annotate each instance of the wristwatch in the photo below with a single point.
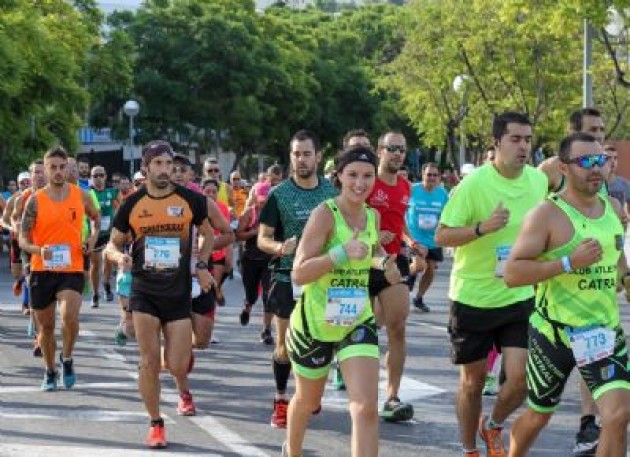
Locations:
(201, 265)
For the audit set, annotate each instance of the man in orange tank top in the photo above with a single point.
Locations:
(51, 233)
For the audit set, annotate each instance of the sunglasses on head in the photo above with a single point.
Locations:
(395, 147)
(589, 161)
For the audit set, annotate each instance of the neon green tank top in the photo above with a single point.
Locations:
(330, 303)
(587, 296)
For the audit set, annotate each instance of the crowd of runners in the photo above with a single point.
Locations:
(538, 264)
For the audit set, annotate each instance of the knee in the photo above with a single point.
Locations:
(396, 331)
(281, 354)
(149, 365)
(616, 417)
(471, 384)
(517, 382)
(363, 410)
(537, 420)
(70, 321)
(305, 403)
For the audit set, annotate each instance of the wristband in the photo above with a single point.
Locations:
(566, 264)
(478, 231)
(338, 254)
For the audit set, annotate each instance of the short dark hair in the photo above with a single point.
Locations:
(210, 181)
(564, 154)
(576, 118)
(83, 160)
(56, 151)
(305, 135)
(429, 165)
(274, 169)
(352, 134)
(500, 123)
(36, 162)
(179, 159)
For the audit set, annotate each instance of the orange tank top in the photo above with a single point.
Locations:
(240, 198)
(59, 226)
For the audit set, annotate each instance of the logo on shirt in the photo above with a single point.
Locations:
(608, 372)
(380, 198)
(175, 211)
(145, 213)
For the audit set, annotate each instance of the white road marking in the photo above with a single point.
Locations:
(79, 387)
(233, 441)
(434, 327)
(92, 415)
(33, 450)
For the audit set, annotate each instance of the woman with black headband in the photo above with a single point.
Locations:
(334, 316)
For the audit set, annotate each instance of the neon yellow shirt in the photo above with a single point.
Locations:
(474, 279)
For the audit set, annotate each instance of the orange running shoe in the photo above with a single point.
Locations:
(186, 407)
(156, 439)
(279, 416)
(492, 438)
(17, 287)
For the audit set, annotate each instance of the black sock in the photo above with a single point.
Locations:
(584, 420)
(159, 422)
(281, 373)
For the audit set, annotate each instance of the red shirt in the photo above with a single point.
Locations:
(220, 254)
(391, 202)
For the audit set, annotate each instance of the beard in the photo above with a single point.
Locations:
(305, 173)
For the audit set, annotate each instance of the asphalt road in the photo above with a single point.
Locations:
(233, 389)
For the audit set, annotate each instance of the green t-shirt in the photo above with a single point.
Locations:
(474, 279)
(587, 296)
(346, 284)
(86, 220)
(106, 199)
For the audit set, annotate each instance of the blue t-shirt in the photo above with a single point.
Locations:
(6, 195)
(423, 213)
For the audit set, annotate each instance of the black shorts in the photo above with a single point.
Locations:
(166, 309)
(377, 277)
(86, 262)
(101, 242)
(549, 365)
(255, 273)
(205, 302)
(435, 254)
(280, 301)
(473, 331)
(15, 251)
(44, 286)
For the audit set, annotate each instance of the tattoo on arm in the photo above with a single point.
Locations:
(29, 216)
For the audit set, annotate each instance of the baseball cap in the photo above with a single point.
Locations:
(156, 148)
(138, 176)
(23, 176)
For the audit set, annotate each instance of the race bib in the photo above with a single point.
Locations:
(591, 344)
(161, 253)
(196, 288)
(344, 305)
(60, 257)
(427, 221)
(297, 291)
(502, 254)
(234, 225)
(105, 223)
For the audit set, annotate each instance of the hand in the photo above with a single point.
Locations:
(355, 249)
(499, 219)
(124, 262)
(418, 250)
(418, 264)
(288, 247)
(392, 273)
(386, 237)
(206, 281)
(90, 243)
(46, 252)
(588, 252)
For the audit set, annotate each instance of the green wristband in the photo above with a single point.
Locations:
(338, 254)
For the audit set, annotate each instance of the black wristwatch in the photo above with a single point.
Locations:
(478, 231)
(201, 265)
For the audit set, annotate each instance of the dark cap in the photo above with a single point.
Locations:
(155, 148)
(355, 154)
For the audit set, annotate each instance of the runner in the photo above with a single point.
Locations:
(108, 201)
(282, 220)
(160, 219)
(51, 234)
(572, 246)
(219, 258)
(255, 264)
(333, 315)
(425, 207)
(83, 164)
(390, 197)
(481, 220)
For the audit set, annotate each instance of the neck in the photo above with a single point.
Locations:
(428, 187)
(506, 171)
(386, 176)
(99, 188)
(349, 207)
(580, 200)
(612, 176)
(158, 192)
(55, 189)
(307, 183)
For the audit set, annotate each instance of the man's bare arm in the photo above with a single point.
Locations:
(28, 222)
(115, 249)
(7, 222)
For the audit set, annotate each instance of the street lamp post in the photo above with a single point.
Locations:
(587, 76)
(460, 86)
(131, 109)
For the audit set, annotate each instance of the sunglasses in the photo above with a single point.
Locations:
(432, 175)
(395, 147)
(98, 175)
(212, 170)
(588, 162)
(115, 181)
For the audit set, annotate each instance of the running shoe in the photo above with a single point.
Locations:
(317, 411)
(491, 387)
(492, 438)
(285, 452)
(26, 311)
(221, 300)
(266, 337)
(156, 439)
(337, 379)
(17, 287)
(186, 407)
(109, 296)
(244, 317)
(420, 306)
(396, 411)
(67, 372)
(215, 340)
(37, 349)
(119, 337)
(279, 416)
(587, 438)
(49, 384)
(95, 301)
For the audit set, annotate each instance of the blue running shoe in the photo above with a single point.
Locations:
(67, 373)
(50, 381)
